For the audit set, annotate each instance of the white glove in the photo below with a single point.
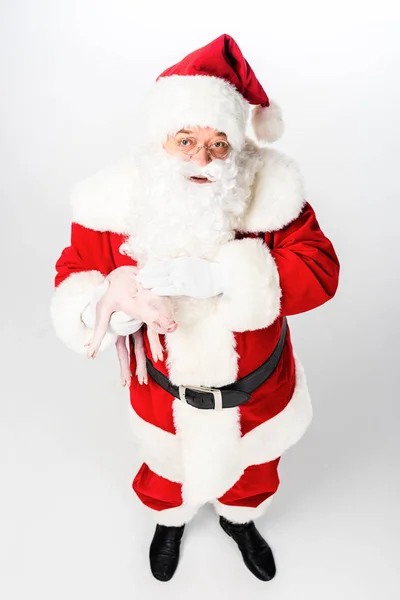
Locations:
(193, 277)
(120, 322)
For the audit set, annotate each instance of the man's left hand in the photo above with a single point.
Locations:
(194, 277)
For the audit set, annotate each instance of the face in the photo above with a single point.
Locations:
(190, 139)
(158, 311)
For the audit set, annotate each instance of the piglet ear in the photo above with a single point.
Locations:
(267, 122)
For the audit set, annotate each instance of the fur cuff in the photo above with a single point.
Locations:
(174, 517)
(251, 299)
(69, 300)
(241, 514)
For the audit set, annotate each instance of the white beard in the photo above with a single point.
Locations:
(173, 216)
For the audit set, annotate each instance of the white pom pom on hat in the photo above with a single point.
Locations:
(267, 122)
(213, 86)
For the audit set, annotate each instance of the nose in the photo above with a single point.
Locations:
(172, 327)
(202, 157)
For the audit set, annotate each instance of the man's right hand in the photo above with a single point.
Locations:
(120, 322)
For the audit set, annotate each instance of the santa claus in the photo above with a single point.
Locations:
(221, 226)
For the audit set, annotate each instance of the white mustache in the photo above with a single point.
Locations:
(214, 171)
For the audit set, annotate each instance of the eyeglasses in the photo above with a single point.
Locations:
(219, 149)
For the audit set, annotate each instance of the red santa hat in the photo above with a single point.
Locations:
(213, 86)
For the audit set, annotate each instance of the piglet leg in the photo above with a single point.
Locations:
(103, 315)
(123, 357)
(141, 369)
(155, 344)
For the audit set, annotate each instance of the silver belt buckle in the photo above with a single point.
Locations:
(216, 393)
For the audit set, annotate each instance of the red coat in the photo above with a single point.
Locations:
(281, 265)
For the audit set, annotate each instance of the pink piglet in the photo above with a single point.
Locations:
(126, 294)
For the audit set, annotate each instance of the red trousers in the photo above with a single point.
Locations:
(244, 501)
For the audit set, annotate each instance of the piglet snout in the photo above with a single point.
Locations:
(164, 324)
(168, 325)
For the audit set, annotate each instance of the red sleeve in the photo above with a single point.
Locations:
(307, 264)
(90, 250)
(81, 268)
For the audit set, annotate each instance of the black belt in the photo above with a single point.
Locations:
(227, 396)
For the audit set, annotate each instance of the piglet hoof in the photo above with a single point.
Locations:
(158, 354)
(91, 352)
(142, 378)
(125, 374)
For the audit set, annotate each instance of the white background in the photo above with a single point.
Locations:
(73, 77)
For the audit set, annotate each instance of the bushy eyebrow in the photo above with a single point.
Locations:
(219, 133)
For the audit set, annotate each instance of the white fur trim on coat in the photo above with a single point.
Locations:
(179, 101)
(208, 455)
(271, 439)
(159, 449)
(202, 349)
(241, 514)
(68, 302)
(251, 298)
(102, 201)
(210, 451)
(278, 194)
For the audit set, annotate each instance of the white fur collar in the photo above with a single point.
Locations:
(278, 194)
(103, 201)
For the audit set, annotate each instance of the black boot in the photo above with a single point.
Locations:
(164, 551)
(257, 555)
